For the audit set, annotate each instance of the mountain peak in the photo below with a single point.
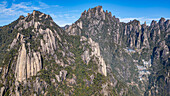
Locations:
(35, 12)
(33, 19)
(21, 17)
(100, 8)
(153, 23)
(162, 20)
(135, 22)
(38, 15)
(96, 12)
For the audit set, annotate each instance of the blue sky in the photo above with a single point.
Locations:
(68, 11)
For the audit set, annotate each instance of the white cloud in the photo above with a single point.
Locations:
(56, 6)
(128, 19)
(141, 19)
(62, 24)
(63, 19)
(11, 12)
(15, 9)
(53, 16)
(43, 5)
(21, 8)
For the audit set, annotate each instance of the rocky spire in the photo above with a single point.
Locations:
(99, 8)
(161, 21)
(153, 23)
(95, 9)
(34, 18)
(21, 17)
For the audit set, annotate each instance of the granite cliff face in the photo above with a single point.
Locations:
(27, 64)
(95, 51)
(131, 50)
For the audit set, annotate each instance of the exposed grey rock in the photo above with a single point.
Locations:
(27, 64)
(63, 74)
(20, 72)
(57, 77)
(2, 90)
(14, 41)
(104, 89)
(96, 52)
(86, 56)
(48, 43)
(72, 81)
(80, 24)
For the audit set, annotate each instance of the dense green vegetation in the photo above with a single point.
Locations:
(7, 34)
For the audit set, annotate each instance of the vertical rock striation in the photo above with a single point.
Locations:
(28, 63)
(95, 51)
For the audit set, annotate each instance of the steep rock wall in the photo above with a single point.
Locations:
(28, 63)
(95, 52)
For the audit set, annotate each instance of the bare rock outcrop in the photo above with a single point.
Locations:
(48, 43)
(21, 64)
(2, 90)
(61, 76)
(14, 41)
(28, 63)
(95, 52)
